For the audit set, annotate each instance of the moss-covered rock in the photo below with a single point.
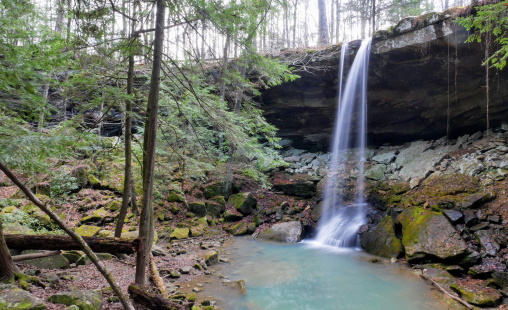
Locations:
(174, 196)
(214, 208)
(85, 300)
(52, 262)
(477, 294)
(98, 216)
(232, 216)
(428, 236)
(216, 188)
(13, 298)
(87, 230)
(198, 208)
(381, 239)
(180, 233)
(212, 258)
(237, 229)
(115, 205)
(199, 228)
(243, 202)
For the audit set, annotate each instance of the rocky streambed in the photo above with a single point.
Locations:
(440, 205)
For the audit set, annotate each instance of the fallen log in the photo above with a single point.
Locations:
(152, 301)
(19, 258)
(52, 242)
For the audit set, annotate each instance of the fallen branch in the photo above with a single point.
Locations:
(19, 258)
(52, 242)
(124, 299)
(453, 296)
(156, 277)
(152, 301)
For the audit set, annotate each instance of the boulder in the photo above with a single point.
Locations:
(243, 202)
(376, 172)
(217, 188)
(477, 295)
(198, 208)
(428, 236)
(85, 300)
(232, 216)
(453, 216)
(87, 230)
(488, 242)
(284, 232)
(51, 262)
(299, 185)
(174, 196)
(212, 258)
(214, 208)
(180, 233)
(13, 298)
(381, 239)
(238, 229)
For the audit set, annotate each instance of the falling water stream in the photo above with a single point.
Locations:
(339, 222)
(329, 272)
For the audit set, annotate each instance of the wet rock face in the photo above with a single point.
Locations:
(416, 72)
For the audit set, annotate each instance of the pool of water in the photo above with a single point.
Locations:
(305, 276)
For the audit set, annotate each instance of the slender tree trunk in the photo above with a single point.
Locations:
(373, 16)
(45, 95)
(337, 30)
(146, 225)
(323, 24)
(6, 264)
(84, 246)
(127, 184)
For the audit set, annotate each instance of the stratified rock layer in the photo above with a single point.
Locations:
(418, 72)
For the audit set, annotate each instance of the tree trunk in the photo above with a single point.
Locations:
(6, 264)
(53, 242)
(20, 258)
(323, 24)
(146, 225)
(84, 246)
(127, 185)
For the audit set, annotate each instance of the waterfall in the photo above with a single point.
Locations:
(339, 221)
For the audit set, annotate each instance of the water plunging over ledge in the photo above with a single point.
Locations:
(339, 222)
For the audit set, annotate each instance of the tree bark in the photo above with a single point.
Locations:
(127, 185)
(52, 242)
(323, 24)
(19, 258)
(84, 246)
(6, 264)
(146, 225)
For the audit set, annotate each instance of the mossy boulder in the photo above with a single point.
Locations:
(199, 228)
(180, 233)
(381, 239)
(376, 172)
(238, 229)
(232, 216)
(85, 300)
(212, 258)
(477, 294)
(284, 232)
(87, 230)
(115, 205)
(135, 234)
(214, 208)
(13, 298)
(51, 262)
(243, 202)
(98, 216)
(428, 236)
(217, 188)
(174, 196)
(198, 208)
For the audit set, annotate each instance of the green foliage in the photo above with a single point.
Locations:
(490, 19)
(26, 219)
